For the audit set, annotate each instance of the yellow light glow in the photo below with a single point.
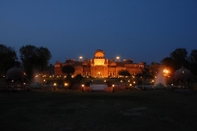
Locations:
(166, 71)
(54, 84)
(65, 84)
(82, 85)
(99, 61)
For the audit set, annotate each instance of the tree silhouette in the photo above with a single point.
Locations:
(7, 58)
(124, 73)
(34, 59)
(193, 61)
(143, 76)
(176, 59)
(179, 57)
(68, 69)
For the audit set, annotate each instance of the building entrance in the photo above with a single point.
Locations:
(99, 75)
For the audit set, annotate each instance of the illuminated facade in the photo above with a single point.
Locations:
(99, 66)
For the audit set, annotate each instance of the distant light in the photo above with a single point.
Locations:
(82, 85)
(54, 84)
(117, 58)
(80, 58)
(65, 84)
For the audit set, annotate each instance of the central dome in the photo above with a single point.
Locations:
(99, 54)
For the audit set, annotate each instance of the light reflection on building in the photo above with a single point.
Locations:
(99, 66)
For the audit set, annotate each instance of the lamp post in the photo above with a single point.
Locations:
(117, 58)
(82, 88)
(54, 85)
(80, 58)
(66, 86)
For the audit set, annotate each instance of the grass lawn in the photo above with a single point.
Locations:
(154, 110)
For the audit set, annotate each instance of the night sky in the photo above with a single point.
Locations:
(142, 30)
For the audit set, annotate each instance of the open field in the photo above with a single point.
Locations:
(70, 110)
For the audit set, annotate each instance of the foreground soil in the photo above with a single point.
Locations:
(41, 110)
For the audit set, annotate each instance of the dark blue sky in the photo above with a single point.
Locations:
(142, 30)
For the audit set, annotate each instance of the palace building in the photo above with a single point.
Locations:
(99, 66)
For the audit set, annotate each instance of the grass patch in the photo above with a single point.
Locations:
(76, 111)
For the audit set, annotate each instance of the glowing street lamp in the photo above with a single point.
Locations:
(66, 85)
(54, 84)
(166, 72)
(82, 88)
(80, 58)
(117, 58)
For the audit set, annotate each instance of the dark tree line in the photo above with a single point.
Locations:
(34, 59)
(7, 58)
(179, 57)
(124, 73)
